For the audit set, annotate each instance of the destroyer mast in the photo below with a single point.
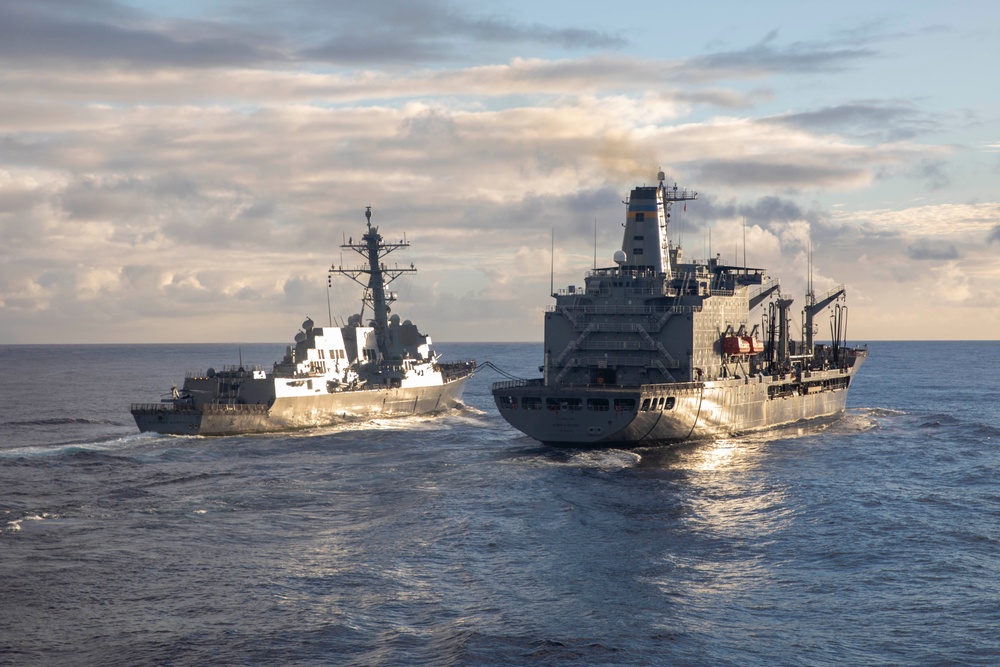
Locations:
(373, 249)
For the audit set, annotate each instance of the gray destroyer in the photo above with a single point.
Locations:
(657, 350)
(331, 374)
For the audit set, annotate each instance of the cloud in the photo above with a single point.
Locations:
(880, 120)
(765, 57)
(923, 249)
(102, 31)
(429, 32)
(792, 173)
(249, 34)
(965, 223)
(953, 285)
(77, 97)
(165, 174)
(791, 224)
(221, 205)
(933, 172)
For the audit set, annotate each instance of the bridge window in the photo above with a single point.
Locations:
(645, 405)
(671, 401)
(624, 405)
(598, 404)
(640, 217)
(531, 403)
(508, 402)
(636, 251)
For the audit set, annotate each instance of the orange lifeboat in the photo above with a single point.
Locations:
(734, 345)
(741, 345)
(756, 346)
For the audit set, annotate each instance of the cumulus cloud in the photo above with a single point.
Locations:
(433, 31)
(223, 206)
(251, 34)
(160, 173)
(881, 120)
(103, 31)
(925, 249)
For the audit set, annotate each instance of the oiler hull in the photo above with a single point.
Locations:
(300, 412)
(669, 413)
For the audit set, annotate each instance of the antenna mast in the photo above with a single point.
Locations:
(595, 243)
(745, 272)
(552, 264)
(329, 284)
(377, 276)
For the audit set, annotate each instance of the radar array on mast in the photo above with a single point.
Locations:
(378, 275)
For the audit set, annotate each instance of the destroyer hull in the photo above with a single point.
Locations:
(669, 413)
(301, 412)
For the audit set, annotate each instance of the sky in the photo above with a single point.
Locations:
(174, 171)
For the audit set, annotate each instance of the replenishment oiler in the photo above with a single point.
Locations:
(657, 350)
(384, 368)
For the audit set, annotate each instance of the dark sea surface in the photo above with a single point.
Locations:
(457, 541)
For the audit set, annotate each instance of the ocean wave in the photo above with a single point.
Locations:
(937, 420)
(464, 415)
(60, 421)
(607, 460)
(14, 526)
(861, 420)
(878, 412)
(985, 431)
(74, 448)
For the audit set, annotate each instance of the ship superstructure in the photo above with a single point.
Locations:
(659, 350)
(381, 368)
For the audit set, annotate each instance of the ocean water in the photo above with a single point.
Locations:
(874, 540)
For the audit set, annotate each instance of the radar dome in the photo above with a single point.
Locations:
(394, 319)
(620, 257)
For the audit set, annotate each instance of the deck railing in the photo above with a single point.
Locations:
(510, 384)
(204, 408)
